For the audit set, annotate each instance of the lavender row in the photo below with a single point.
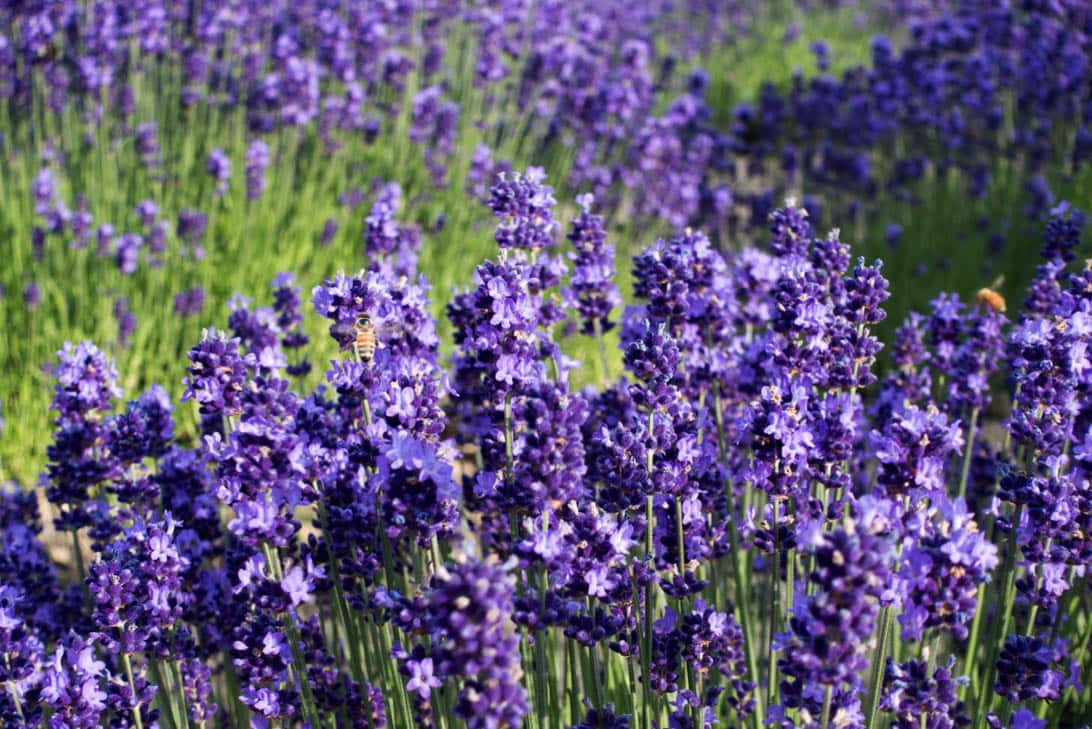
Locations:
(755, 525)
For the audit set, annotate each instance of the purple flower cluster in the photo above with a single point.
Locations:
(826, 643)
(465, 613)
(723, 535)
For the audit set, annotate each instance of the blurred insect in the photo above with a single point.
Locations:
(989, 297)
(361, 336)
(51, 52)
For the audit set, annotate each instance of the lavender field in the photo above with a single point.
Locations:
(574, 364)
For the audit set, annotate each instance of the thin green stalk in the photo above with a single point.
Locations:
(183, 710)
(971, 432)
(542, 672)
(165, 696)
(341, 608)
(985, 690)
(646, 636)
(81, 570)
(11, 689)
(827, 697)
(742, 604)
(775, 609)
(650, 556)
(972, 642)
(573, 682)
(1081, 658)
(437, 557)
(295, 640)
(1033, 612)
(600, 342)
(879, 662)
(127, 664)
(681, 546)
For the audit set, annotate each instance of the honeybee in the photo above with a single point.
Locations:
(365, 340)
(361, 336)
(990, 298)
(51, 52)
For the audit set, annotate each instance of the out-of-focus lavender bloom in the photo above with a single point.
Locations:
(257, 161)
(44, 191)
(147, 210)
(126, 321)
(286, 304)
(147, 145)
(128, 252)
(191, 229)
(329, 230)
(219, 168)
(892, 234)
(32, 296)
(189, 302)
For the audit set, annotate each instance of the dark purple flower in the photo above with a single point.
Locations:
(827, 640)
(592, 291)
(145, 430)
(942, 566)
(467, 608)
(524, 206)
(911, 694)
(1026, 670)
(217, 374)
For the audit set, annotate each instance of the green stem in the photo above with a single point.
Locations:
(508, 458)
(985, 690)
(127, 664)
(164, 697)
(970, 657)
(971, 432)
(681, 541)
(879, 663)
(742, 604)
(828, 695)
(1034, 610)
(646, 637)
(81, 570)
(775, 609)
(183, 709)
(573, 683)
(341, 609)
(295, 640)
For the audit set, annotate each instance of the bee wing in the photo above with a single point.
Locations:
(343, 331)
(388, 328)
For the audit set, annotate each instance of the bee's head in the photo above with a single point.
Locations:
(363, 320)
